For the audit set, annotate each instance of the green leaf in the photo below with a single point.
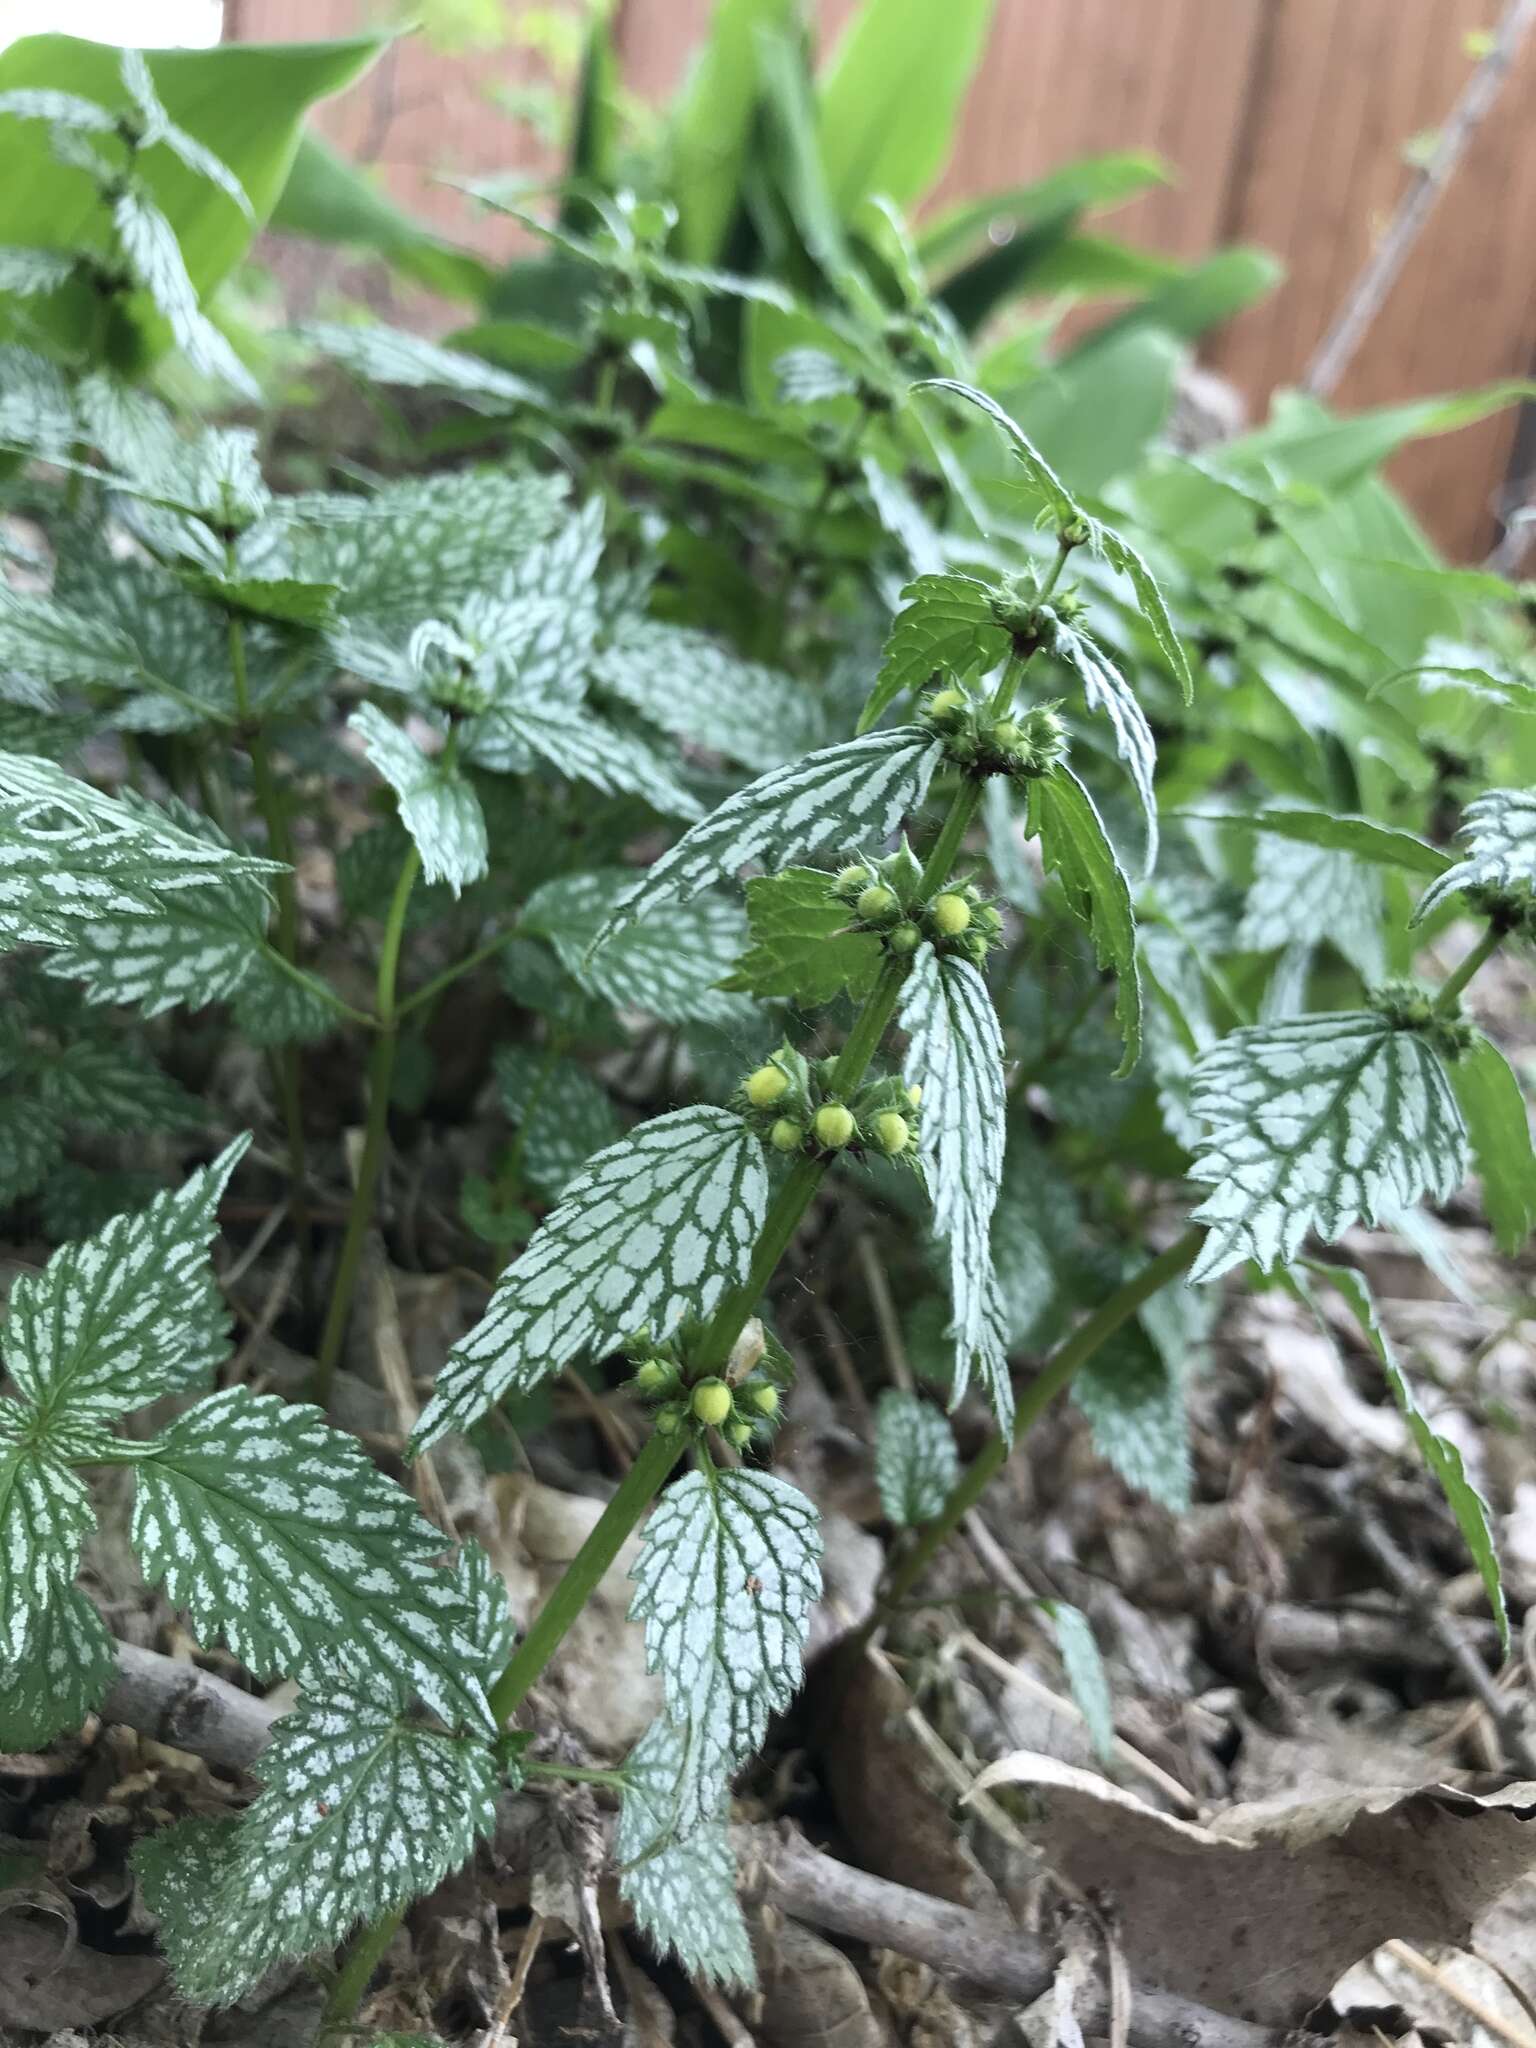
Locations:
(945, 622)
(671, 967)
(1075, 847)
(155, 262)
(69, 854)
(1473, 1515)
(728, 1572)
(916, 1463)
(712, 120)
(104, 1085)
(358, 1813)
(852, 794)
(437, 806)
(1087, 1680)
(1303, 894)
(392, 355)
(1499, 831)
(563, 1114)
(63, 1672)
(801, 948)
(1136, 1409)
(684, 1895)
(955, 1055)
(1086, 183)
(31, 1143)
(1105, 689)
(33, 272)
(1317, 1123)
(1381, 845)
(285, 599)
(333, 201)
(129, 1314)
(582, 747)
(658, 1227)
(275, 1533)
(1499, 1128)
(45, 1517)
(58, 645)
(891, 96)
(692, 687)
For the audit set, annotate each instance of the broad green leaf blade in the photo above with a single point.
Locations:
(563, 1114)
(1499, 831)
(45, 1516)
(728, 1572)
(1303, 894)
(63, 1672)
(334, 201)
(890, 98)
(700, 691)
(358, 1813)
(1382, 845)
(916, 1463)
(158, 129)
(1499, 1127)
(1105, 689)
(854, 794)
(1473, 1515)
(658, 1227)
(1075, 847)
(391, 355)
(275, 1533)
(437, 805)
(1136, 1408)
(683, 1895)
(955, 1056)
(945, 622)
(69, 854)
(129, 1314)
(1317, 1123)
(712, 123)
(801, 948)
(670, 966)
(1087, 1680)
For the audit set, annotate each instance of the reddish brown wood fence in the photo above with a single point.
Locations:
(1284, 121)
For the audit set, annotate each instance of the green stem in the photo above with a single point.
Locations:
(576, 1586)
(1456, 981)
(576, 1774)
(352, 1980)
(321, 990)
(431, 990)
(381, 1069)
(1058, 1372)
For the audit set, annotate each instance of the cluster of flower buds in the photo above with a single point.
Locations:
(1409, 1007)
(454, 667)
(885, 896)
(794, 1105)
(743, 1410)
(1025, 743)
(1511, 908)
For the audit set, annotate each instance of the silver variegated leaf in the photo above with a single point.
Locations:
(563, 1114)
(275, 1533)
(684, 1894)
(1301, 894)
(1498, 832)
(807, 376)
(63, 1672)
(669, 967)
(30, 272)
(728, 1572)
(31, 1144)
(129, 1314)
(1315, 1124)
(579, 745)
(698, 690)
(562, 568)
(657, 1227)
(57, 644)
(956, 1058)
(1105, 689)
(490, 1624)
(437, 805)
(159, 128)
(45, 1516)
(359, 1812)
(391, 355)
(916, 1463)
(153, 254)
(850, 795)
(58, 109)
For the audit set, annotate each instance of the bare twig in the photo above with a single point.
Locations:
(1421, 1966)
(731, 2029)
(533, 1934)
(885, 1313)
(188, 1708)
(1370, 290)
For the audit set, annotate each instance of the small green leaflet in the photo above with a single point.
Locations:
(699, 691)
(1499, 1127)
(955, 1056)
(490, 1625)
(854, 794)
(657, 1227)
(31, 1143)
(916, 1463)
(1136, 1409)
(68, 854)
(1473, 1516)
(801, 947)
(277, 1534)
(1382, 845)
(807, 376)
(1302, 894)
(283, 598)
(390, 355)
(55, 644)
(670, 967)
(1106, 690)
(129, 1314)
(1087, 1680)
(437, 806)
(683, 1895)
(562, 1112)
(946, 623)
(1076, 848)
(63, 1673)
(358, 1813)
(1499, 829)
(1103, 540)
(45, 1516)
(30, 272)
(1315, 1124)
(728, 1572)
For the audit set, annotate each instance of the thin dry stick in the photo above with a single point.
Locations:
(885, 1314)
(533, 1934)
(271, 1308)
(1421, 1966)
(731, 2029)
(1371, 289)
(395, 1373)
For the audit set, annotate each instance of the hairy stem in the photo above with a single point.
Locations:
(381, 1068)
(1450, 989)
(363, 1958)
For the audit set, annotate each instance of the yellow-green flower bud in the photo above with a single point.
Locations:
(946, 703)
(787, 1135)
(738, 1434)
(951, 914)
(670, 1420)
(905, 938)
(653, 1375)
(893, 1134)
(914, 1095)
(765, 1085)
(764, 1398)
(851, 879)
(834, 1125)
(712, 1402)
(877, 904)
